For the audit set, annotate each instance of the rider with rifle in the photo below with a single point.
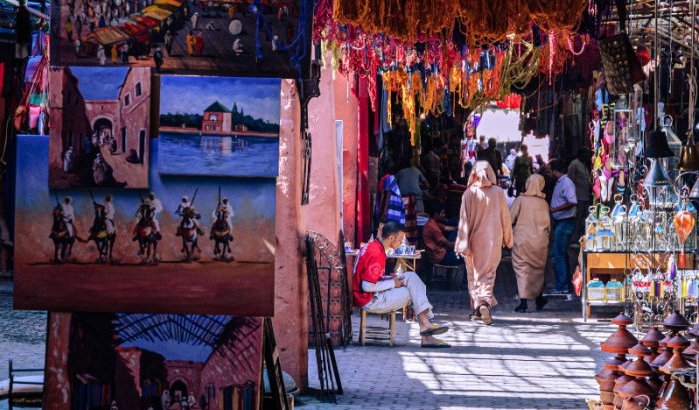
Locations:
(183, 209)
(156, 208)
(68, 215)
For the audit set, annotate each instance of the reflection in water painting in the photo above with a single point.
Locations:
(214, 126)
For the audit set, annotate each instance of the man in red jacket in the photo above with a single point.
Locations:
(377, 293)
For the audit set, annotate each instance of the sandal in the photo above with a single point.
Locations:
(435, 330)
(438, 344)
(485, 313)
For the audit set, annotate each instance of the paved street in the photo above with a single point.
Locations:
(538, 360)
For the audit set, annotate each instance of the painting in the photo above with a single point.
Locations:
(187, 245)
(256, 38)
(99, 122)
(221, 126)
(153, 361)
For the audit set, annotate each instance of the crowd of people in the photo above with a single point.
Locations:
(478, 204)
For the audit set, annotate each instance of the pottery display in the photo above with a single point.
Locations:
(638, 370)
(612, 376)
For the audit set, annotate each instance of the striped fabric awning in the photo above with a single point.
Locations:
(148, 21)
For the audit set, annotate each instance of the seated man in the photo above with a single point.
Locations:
(439, 248)
(378, 294)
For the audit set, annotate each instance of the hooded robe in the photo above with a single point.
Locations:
(484, 227)
(532, 227)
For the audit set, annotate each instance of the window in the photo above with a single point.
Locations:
(138, 89)
(127, 100)
(213, 117)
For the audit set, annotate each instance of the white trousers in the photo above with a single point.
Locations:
(414, 292)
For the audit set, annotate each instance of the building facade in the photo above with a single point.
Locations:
(217, 118)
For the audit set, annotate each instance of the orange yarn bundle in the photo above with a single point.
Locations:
(484, 21)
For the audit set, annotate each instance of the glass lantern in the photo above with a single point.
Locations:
(591, 227)
(619, 221)
(605, 233)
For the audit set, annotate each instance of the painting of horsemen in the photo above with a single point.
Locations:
(192, 244)
(100, 119)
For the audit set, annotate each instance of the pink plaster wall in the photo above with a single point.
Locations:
(291, 288)
(346, 106)
(322, 212)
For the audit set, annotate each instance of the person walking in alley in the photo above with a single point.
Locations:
(522, 170)
(377, 293)
(579, 173)
(493, 155)
(484, 227)
(563, 203)
(532, 227)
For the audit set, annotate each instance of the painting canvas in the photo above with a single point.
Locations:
(219, 126)
(259, 38)
(187, 245)
(153, 361)
(99, 125)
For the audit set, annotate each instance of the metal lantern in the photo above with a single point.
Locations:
(625, 136)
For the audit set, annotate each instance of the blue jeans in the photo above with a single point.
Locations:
(562, 231)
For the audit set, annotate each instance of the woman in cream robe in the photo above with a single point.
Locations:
(484, 227)
(532, 227)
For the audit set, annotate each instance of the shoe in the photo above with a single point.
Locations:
(540, 303)
(522, 308)
(438, 344)
(485, 314)
(435, 330)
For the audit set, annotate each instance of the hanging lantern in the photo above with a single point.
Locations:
(689, 157)
(657, 145)
(624, 133)
(661, 190)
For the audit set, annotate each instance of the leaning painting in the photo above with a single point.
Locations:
(221, 126)
(186, 245)
(259, 38)
(99, 127)
(153, 361)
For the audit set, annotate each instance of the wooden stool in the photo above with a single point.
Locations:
(377, 333)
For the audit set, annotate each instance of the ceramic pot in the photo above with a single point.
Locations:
(676, 322)
(677, 361)
(636, 403)
(675, 397)
(621, 340)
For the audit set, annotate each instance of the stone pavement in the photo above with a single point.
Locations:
(22, 334)
(537, 360)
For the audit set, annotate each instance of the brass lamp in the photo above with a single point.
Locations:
(689, 157)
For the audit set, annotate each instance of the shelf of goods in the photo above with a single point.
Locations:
(607, 277)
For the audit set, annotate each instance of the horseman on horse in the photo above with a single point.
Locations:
(103, 231)
(146, 231)
(222, 229)
(62, 233)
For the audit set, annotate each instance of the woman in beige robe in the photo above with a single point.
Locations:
(484, 227)
(532, 227)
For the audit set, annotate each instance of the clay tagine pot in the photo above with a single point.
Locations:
(664, 353)
(652, 340)
(606, 377)
(677, 361)
(676, 322)
(675, 396)
(639, 369)
(621, 340)
(636, 403)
